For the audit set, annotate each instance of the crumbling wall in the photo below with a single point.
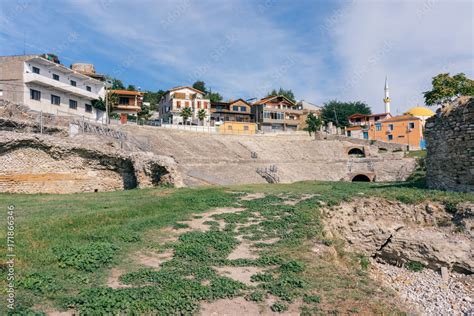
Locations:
(46, 164)
(450, 147)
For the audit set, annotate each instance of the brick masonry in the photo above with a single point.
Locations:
(450, 147)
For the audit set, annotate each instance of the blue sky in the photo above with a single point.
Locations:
(320, 49)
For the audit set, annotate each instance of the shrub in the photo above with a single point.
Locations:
(415, 266)
(279, 307)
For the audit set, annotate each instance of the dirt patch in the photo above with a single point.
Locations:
(199, 223)
(152, 259)
(252, 196)
(113, 279)
(293, 202)
(241, 274)
(240, 306)
(243, 251)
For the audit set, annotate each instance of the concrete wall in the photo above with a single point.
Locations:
(450, 147)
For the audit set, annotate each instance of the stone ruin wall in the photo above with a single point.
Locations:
(45, 164)
(450, 147)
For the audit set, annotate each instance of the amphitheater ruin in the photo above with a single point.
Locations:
(64, 156)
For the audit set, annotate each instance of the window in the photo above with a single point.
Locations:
(366, 135)
(35, 94)
(36, 70)
(88, 108)
(390, 137)
(246, 128)
(56, 77)
(390, 127)
(123, 101)
(72, 104)
(235, 108)
(199, 104)
(205, 105)
(243, 108)
(178, 104)
(55, 99)
(378, 126)
(229, 127)
(411, 125)
(73, 83)
(88, 88)
(186, 103)
(349, 133)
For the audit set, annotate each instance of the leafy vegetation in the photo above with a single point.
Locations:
(313, 123)
(70, 242)
(446, 87)
(186, 113)
(212, 96)
(337, 112)
(415, 266)
(286, 93)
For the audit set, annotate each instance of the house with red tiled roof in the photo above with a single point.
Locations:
(126, 102)
(277, 113)
(176, 99)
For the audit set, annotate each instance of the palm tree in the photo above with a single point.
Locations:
(186, 113)
(202, 115)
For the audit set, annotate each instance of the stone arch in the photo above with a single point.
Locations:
(361, 178)
(356, 152)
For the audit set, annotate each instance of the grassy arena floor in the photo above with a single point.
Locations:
(65, 246)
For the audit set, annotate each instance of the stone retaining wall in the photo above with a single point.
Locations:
(450, 147)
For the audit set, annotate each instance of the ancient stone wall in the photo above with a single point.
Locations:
(450, 147)
(47, 164)
(234, 159)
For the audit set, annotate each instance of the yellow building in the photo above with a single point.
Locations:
(234, 127)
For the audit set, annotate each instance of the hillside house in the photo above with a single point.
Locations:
(43, 84)
(277, 113)
(174, 100)
(126, 103)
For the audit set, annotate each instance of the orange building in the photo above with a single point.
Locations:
(401, 129)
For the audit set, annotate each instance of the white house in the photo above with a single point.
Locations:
(43, 84)
(175, 100)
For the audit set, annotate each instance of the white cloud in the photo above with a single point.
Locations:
(410, 41)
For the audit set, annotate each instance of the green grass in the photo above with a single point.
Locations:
(66, 245)
(416, 154)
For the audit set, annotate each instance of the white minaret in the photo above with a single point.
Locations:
(386, 99)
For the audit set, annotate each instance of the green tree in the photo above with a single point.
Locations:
(337, 111)
(153, 98)
(208, 94)
(200, 85)
(313, 123)
(446, 87)
(201, 114)
(214, 96)
(287, 93)
(131, 87)
(116, 83)
(186, 113)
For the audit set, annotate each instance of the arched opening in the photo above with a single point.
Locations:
(361, 178)
(356, 152)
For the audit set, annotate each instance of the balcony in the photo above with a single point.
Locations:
(60, 86)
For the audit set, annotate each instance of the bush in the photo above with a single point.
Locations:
(415, 266)
(279, 307)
